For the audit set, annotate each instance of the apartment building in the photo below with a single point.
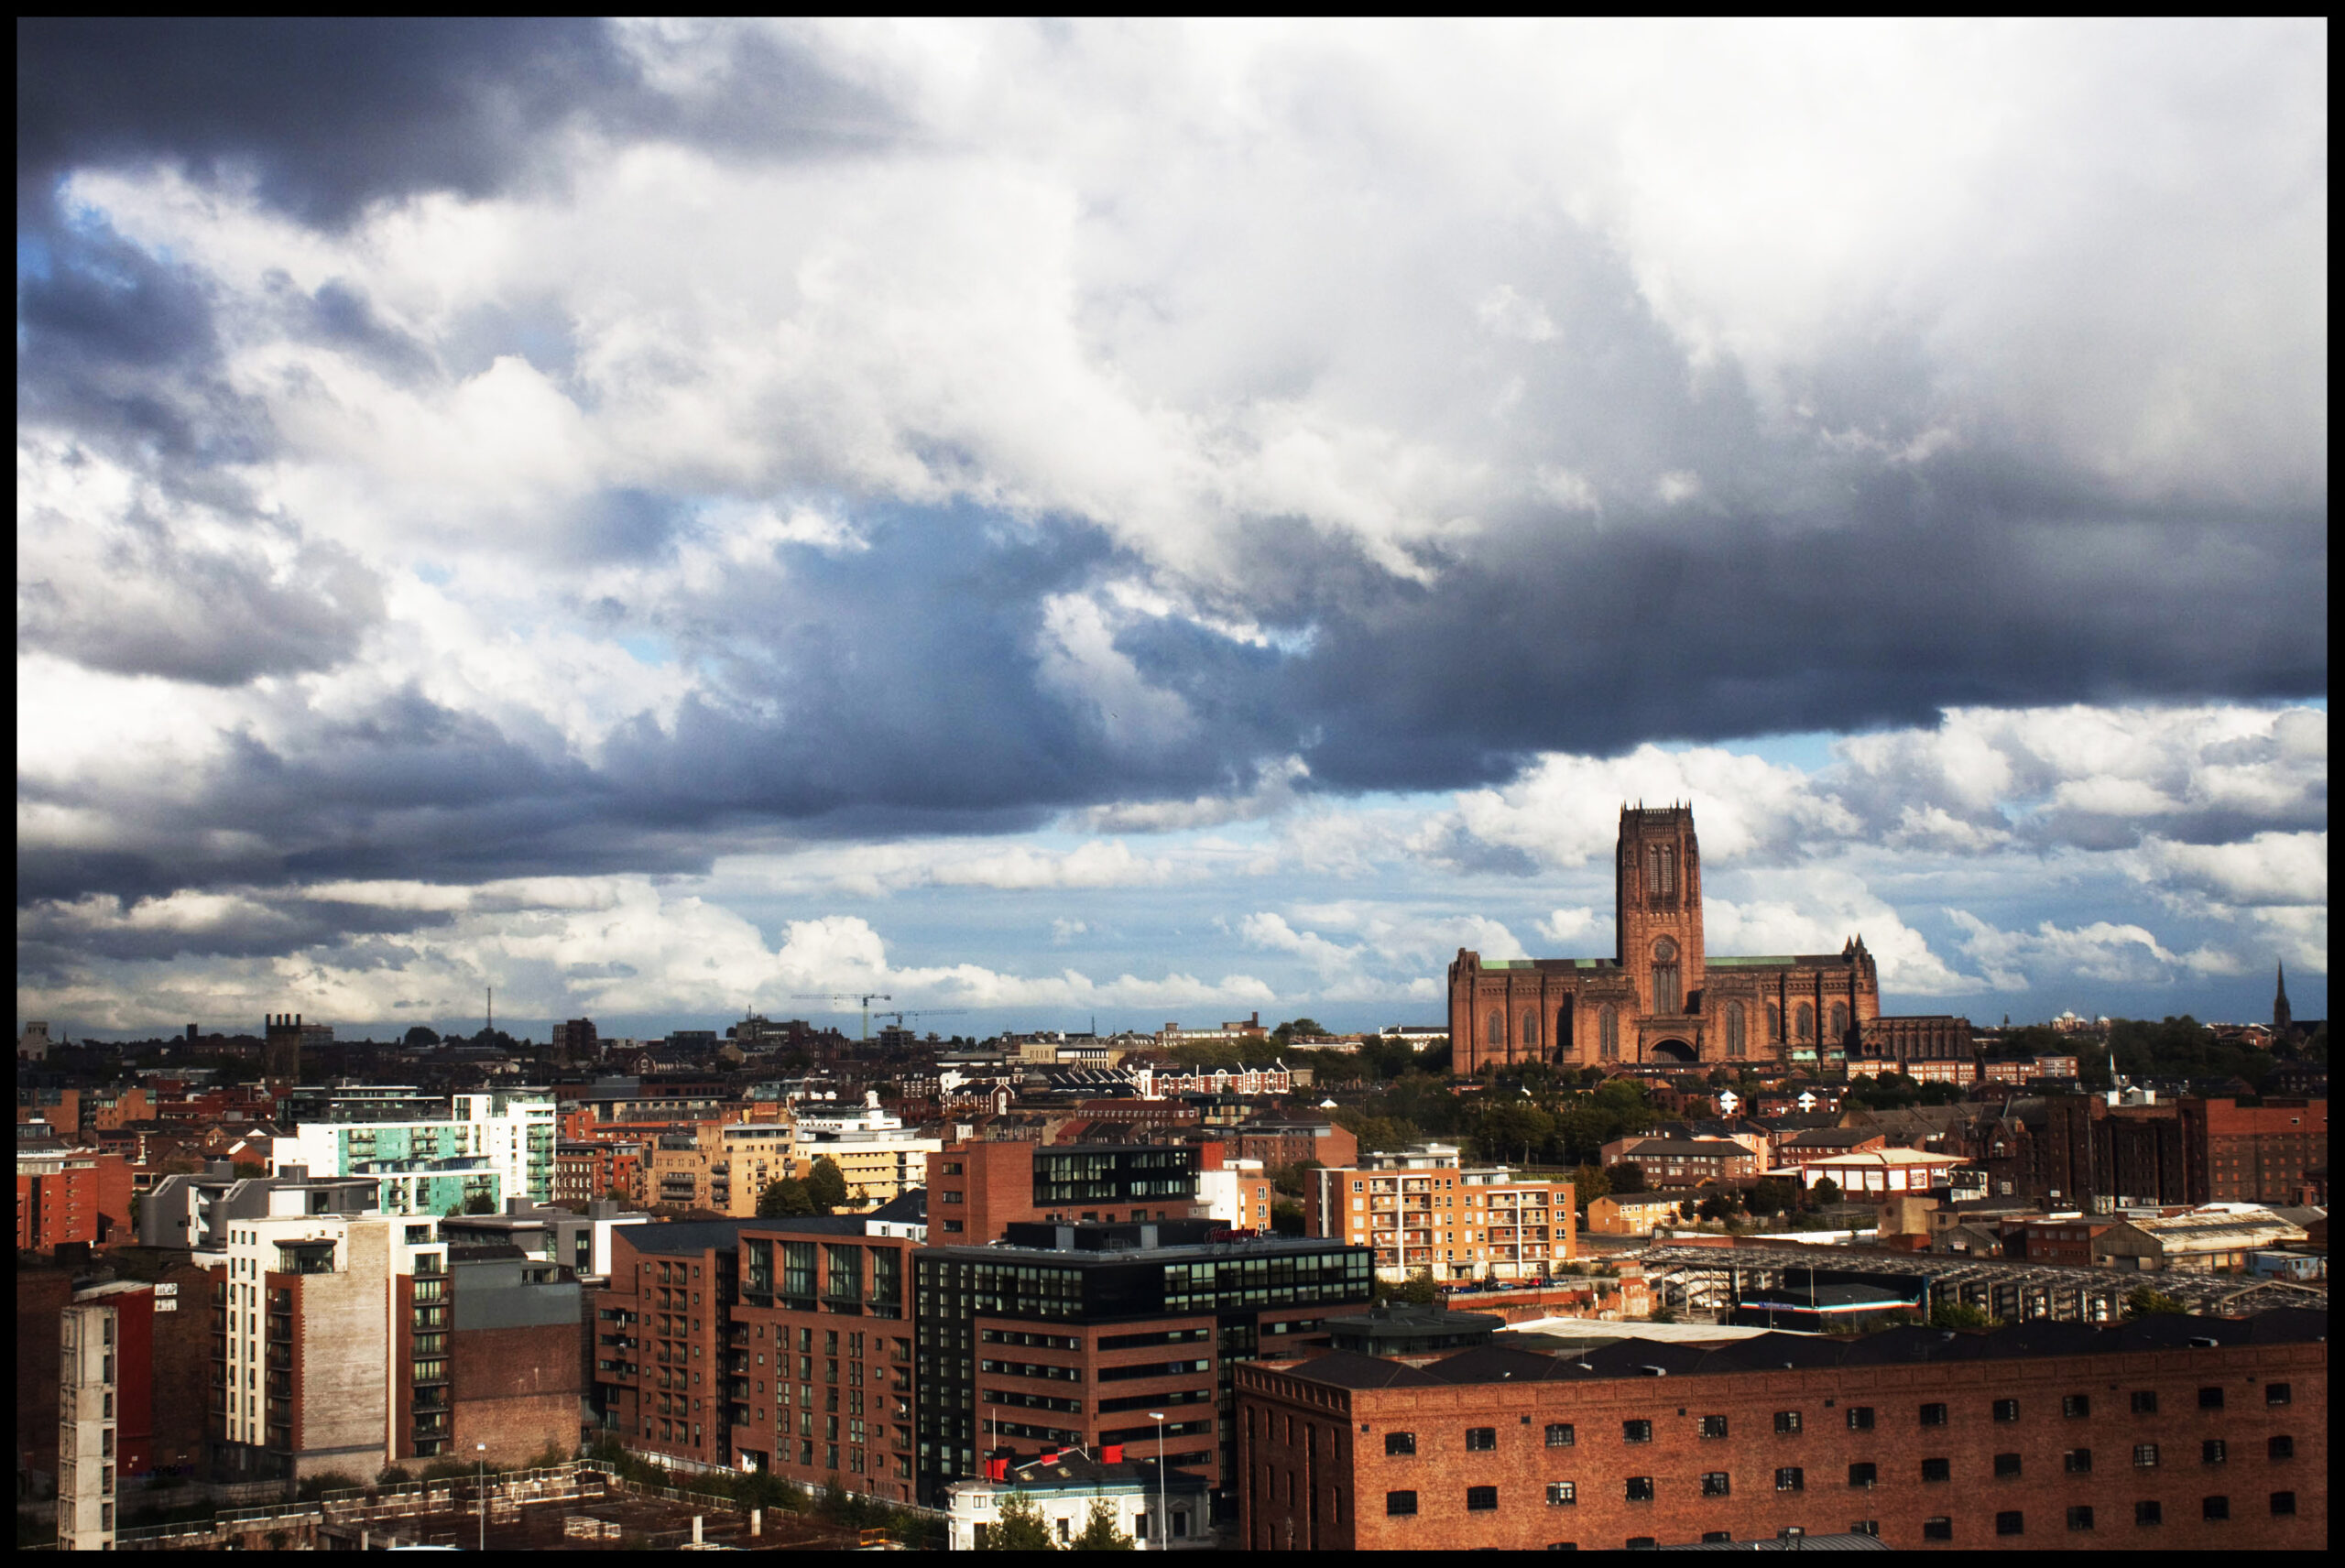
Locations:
(780, 1344)
(881, 1158)
(976, 1189)
(2254, 1154)
(66, 1195)
(1234, 1192)
(2169, 1433)
(129, 1394)
(1634, 1214)
(1423, 1211)
(493, 1145)
(722, 1167)
(1073, 1334)
(1685, 1161)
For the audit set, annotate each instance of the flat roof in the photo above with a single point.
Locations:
(1774, 1350)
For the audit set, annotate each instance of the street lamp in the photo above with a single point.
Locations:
(1164, 1524)
(481, 1449)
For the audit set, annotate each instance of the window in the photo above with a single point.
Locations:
(2076, 1406)
(2284, 1505)
(1863, 1475)
(1791, 1479)
(2007, 1410)
(2080, 1518)
(1498, 1028)
(1839, 1020)
(1711, 1536)
(2213, 1509)
(1787, 1421)
(1860, 1418)
(1559, 1434)
(1481, 1500)
(1400, 1503)
(1806, 1017)
(1481, 1439)
(2281, 1447)
(2149, 1512)
(2211, 1398)
(1933, 1415)
(1562, 1494)
(1938, 1469)
(1865, 1527)
(1607, 1033)
(2276, 1393)
(1639, 1489)
(1939, 1528)
(1531, 1028)
(2145, 1456)
(1666, 995)
(2078, 1462)
(1716, 1484)
(2213, 1452)
(2006, 1466)
(1735, 1042)
(1714, 1426)
(1636, 1432)
(2145, 1402)
(1400, 1442)
(2011, 1522)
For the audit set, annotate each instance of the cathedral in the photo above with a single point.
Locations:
(1662, 999)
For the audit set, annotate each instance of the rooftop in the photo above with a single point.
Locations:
(1499, 1362)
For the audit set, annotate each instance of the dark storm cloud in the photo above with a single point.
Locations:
(328, 114)
(53, 940)
(1967, 585)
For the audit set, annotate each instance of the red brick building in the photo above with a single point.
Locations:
(783, 1344)
(2252, 1154)
(66, 1195)
(1661, 998)
(975, 1190)
(2167, 1434)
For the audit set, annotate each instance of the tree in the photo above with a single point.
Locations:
(480, 1203)
(1773, 1195)
(423, 1034)
(1020, 1527)
(784, 1199)
(2145, 1302)
(1286, 1218)
(1628, 1176)
(1289, 1179)
(1099, 1532)
(1955, 1315)
(826, 1184)
(1590, 1182)
(1417, 1289)
(1825, 1190)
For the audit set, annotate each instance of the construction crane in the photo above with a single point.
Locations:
(899, 1014)
(865, 997)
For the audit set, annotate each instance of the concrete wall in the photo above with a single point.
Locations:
(344, 1392)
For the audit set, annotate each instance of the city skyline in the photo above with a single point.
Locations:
(1148, 523)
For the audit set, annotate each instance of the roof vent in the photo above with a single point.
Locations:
(2200, 1342)
(1651, 1371)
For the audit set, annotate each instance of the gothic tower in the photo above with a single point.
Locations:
(1658, 907)
(281, 1049)
(2282, 1023)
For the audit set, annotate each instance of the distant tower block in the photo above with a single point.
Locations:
(281, 1053)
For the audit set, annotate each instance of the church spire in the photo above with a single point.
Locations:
(2281, 1021)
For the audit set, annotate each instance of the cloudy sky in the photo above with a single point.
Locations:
(1150, 522)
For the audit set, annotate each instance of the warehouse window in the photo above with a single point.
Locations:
(1562, 1494)
(2011, 1522)
(2211, 1398)
(1791, 1478)
(1400, 1502)
(1860, 1418)
(1636, 1432)
(1715, 1483)
(2007, 1410)
(1639, 1489)
(2145, 1402)
(1933, 1415)
(1863, 1475)
(2080, 1517)
(2076, 1405)
(2145, 1456)
(1559, 1434)
(1400, 1442)
(1714, 1426)
(2284, 1504)
(1938, 1469)
(2282, 1447)
(1939, 1528)
(2214, 1509)
(2078, 1462)
(2149, 1512)
(1787, 1421)
(1481, 1500)
(2006, 1466)
(2276, 1393)
(1481, 1439)
(2214, 1451)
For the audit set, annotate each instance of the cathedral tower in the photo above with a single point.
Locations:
(2282, 1022)
(1658, 907)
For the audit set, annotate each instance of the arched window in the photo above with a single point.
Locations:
(1660, 870)
(1531, 1030)
(1608, 1034)
(1565, 1043)
(1667, 992)
(1734, 1041)
(1806, 1016)
(1839, 1020)
(1775, 1021)
(1497, 1033)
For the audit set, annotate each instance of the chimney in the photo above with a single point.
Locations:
(1111, 1454)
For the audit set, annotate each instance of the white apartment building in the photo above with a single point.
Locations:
(496, 1145)
(881, 1158)
(1239, 1194)
(88, 1395)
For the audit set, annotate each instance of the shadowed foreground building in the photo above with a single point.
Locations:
(2170, 1433)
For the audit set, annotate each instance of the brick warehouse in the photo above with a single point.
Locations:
(2170, 1433)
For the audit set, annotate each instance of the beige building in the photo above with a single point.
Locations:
(1422, 1209)
(723, 1167)
(1634, 1215)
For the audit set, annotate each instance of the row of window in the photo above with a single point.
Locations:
(1562, 1434)
(2013, 1522)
